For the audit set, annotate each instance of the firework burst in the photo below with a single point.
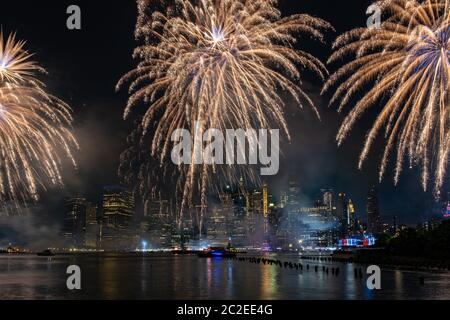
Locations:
(407, 64)
(220, 63)
(33, 128)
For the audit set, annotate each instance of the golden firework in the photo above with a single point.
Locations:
(33, 128)
(222, 63)
(405, 65)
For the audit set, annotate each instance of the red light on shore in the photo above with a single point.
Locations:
(366, 242)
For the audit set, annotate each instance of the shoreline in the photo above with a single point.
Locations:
(386, 262)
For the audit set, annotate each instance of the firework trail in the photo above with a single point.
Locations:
(33, 128)
(221, 63)
(406, 66)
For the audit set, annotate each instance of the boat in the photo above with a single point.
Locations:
(46, 253)
(216, 252)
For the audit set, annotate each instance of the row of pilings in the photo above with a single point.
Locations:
(325, 269)
(415, 265)
(292, 265)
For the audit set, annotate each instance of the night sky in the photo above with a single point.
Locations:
(84, 67)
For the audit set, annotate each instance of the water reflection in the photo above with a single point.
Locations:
(108, 277)
(189, 277)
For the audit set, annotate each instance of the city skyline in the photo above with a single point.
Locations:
(97, 111)
(243, 215)
(248, 150)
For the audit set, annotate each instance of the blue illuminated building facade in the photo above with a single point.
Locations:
(355, 242)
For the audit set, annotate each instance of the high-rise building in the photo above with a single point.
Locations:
(92, 225)
(238, 225)
(157, 213)
(91, 213)
(342, 205)
(292, 218)
(327, 198)
(257, 200)
(117, 230)
(294, 193)
(265, 200)
(283, 199)
(394, 226)
(374, 225)
(351, 217)
(219, 223)
(240, 200)
(75, 220)
(118, 207)
(342, 213)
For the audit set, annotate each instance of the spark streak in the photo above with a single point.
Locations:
(405, 64)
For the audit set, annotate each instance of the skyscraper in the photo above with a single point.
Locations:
(294, 193)
(92, 226)
(373, 214)
(116, 230)
(342, 206)
(342, 213)
(157, 213)
(118, 207)
(327, 198)
(239, 220)
(293, 205)
(283, 199)
(221, 221)
(351, 217)
(265, 200)
(75, 220)
(257, 202)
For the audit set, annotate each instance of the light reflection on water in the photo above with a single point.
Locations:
(116, 276)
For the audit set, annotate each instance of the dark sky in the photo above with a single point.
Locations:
(85, 65)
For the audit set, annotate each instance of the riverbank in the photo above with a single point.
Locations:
(383, 258)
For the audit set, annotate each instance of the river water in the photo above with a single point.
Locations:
(119, 276)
